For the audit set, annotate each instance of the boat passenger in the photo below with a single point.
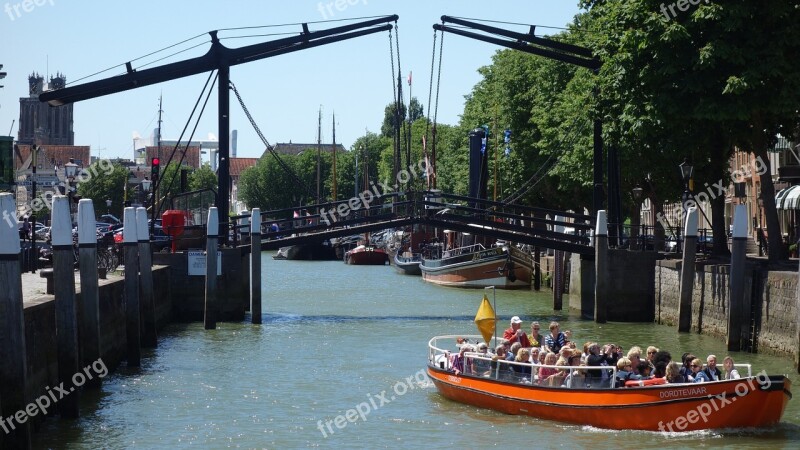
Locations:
(459, 363)
(651, 353)
(643, 370)
(481, 362)
(542, 356)
(535, 356)
(624, 371)
(565, 352)
(712, 372)
(536, 339)
(660, 361)
(515, 333)
(673, 373)
(697, 371)
(635, 355)
(556, 339)
(585, 353)
(730, 372)
(686, 370)
(498, 364)
(512, 354)
(597, 358)
(576, 377)
(557, 379)
(547, 372)
(522, 371)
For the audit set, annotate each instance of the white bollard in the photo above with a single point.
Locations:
(130, 237)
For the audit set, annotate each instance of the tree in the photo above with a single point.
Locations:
(100, 184)
(696, 84)
(415, 110)
(203, 178)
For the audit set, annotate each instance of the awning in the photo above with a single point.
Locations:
(788, 198)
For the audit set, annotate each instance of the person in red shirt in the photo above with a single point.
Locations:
(515, 333)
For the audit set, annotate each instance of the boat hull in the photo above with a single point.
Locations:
(407, 266)
(754, 402)
(360, 257)
(482, 269)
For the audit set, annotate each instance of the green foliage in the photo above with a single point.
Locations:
(103, 184)
(203, 178)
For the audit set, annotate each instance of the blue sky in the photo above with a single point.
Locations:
(284, 93)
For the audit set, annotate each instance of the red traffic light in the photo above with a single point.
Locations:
(155, 161)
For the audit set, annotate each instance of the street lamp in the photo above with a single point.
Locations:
(637, 196)
(70, 172)
(108, 206)
(687, 170)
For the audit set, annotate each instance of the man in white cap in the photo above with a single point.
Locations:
(515, 333)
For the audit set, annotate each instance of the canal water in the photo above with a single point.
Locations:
(338, 337)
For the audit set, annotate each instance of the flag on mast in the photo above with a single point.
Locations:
(409, 78)
(485, 319)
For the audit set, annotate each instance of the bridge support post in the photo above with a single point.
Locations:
(537, 269)
(210, 313)
(130, 237)
(255, 265)
(89, 303)
(736, 311)
(66, 306)
(601, 268)
(12, 327)
(149, 334)
(687, 272)
(558, 272)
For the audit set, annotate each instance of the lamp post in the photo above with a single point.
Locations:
(146, 184)
(108, 206)
(637, 196)
(70, 171)
(34, 161)
(687, 171)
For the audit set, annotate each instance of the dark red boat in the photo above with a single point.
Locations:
(366, 255)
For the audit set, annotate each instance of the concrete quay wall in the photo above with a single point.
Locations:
(773, 295)
(40, 325)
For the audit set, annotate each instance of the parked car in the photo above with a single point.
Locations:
(160, 239)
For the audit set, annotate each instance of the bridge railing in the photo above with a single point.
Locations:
(646, 238)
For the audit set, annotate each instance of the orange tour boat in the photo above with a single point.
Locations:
(753, 401)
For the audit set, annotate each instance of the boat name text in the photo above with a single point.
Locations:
(453, 379)
(682, 392)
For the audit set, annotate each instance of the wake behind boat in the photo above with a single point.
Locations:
(749, 402)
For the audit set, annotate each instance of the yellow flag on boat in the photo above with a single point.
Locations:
(485, 319)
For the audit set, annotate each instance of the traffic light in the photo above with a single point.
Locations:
(155, 163)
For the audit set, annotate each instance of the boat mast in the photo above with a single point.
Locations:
(496, 149)
(334, 156)
(319, 148)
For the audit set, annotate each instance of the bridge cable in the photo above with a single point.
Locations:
(397, 92)
(428, 114)
(406, 125)
(157, 183)
(546, 166)
(270, 148)
(436, 108)
(191, 136)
